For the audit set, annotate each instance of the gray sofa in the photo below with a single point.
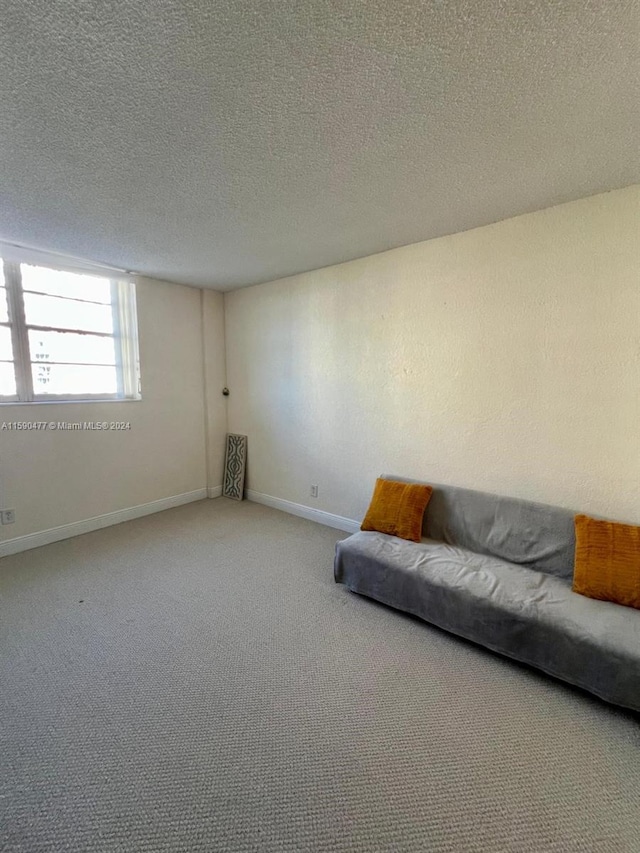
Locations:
(498, 571)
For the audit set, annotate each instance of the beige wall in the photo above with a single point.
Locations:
(505, 358)
(54, 478)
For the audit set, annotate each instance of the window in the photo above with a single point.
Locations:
(66, 335)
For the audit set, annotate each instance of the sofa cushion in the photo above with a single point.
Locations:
(397, 508)
(607, 564)
(524, 614)
(523, 532)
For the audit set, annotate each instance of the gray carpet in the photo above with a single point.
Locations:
(195, 681)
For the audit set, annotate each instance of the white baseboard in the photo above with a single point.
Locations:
(318, 515)
(214, 491)
(76, 528)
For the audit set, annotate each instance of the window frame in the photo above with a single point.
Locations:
(125, 335)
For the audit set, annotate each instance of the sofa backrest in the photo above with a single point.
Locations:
(534, 535)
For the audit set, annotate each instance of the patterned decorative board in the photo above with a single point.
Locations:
(234, 466)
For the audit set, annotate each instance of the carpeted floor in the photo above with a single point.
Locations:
(195, 681)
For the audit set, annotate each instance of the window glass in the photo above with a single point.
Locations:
(69, 284)
(6, 349)
(67, 313)
(7, 379)
(73, 379)
(4, 314)
(70, 347)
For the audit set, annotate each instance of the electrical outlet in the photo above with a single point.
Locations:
(314, 490)
(8, 516)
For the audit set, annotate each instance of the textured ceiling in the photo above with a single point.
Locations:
(230, 142)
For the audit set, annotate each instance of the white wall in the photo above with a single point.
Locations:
(505, 358)
(55, 478)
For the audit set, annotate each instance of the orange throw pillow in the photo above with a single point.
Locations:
(607, 564)
(397, 509)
